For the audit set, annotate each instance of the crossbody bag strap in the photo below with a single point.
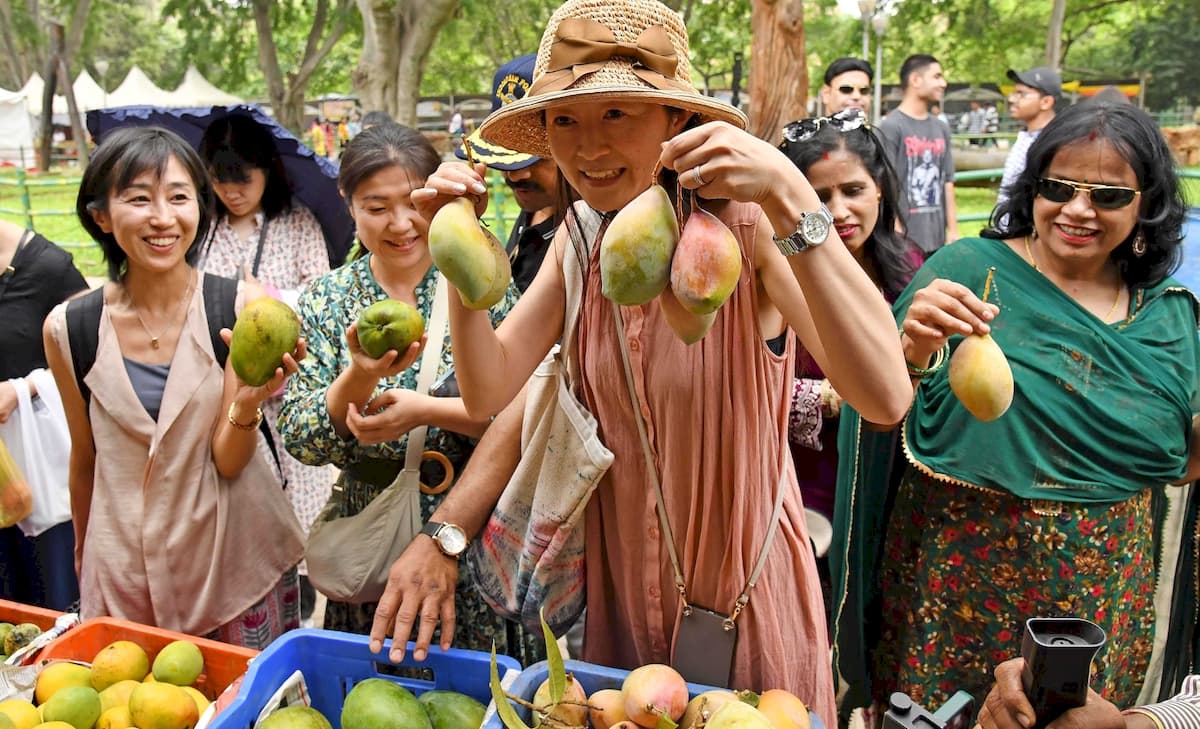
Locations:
(744, 598)
(430, 357)
(262, 239)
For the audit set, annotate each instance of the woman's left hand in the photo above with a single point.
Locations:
(249, 394)
(387, 417)
(721, 162)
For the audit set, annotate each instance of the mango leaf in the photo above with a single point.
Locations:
(558, 672)
(665, 721)
(504, 710)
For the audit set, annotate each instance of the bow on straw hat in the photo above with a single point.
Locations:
(634, 50)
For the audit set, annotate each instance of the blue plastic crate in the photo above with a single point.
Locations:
(592, 677)
(333, 662)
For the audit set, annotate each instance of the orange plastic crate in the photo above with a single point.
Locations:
(223, 663)
(15, 612)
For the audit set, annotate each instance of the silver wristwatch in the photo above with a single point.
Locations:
(812, 230)
(450, 538)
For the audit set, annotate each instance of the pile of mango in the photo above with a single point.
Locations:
(15, 637)
(377, 703)
(121, 690)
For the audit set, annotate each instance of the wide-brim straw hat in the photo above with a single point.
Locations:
(633, 50)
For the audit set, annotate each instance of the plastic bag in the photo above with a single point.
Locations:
(16, 501)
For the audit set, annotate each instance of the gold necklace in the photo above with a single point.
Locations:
(154, 338)
(1120, 288)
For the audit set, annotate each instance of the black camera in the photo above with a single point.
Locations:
(1058, 655)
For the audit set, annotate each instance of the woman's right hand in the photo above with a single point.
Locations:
(450, 181)
(939, 310)
(390, 364)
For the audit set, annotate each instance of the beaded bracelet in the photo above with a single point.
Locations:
(939, 359)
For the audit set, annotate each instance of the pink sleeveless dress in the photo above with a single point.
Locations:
(716, 413)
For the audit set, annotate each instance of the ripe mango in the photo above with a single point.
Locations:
(784, 710)
(469, 256)
(701, 708)
(117, 717)
(606, 707)
(118, 661)
(23, 714)
(572, 711)
(58, 676)
(981, 378)
(266, 330)
(296, 717)
(6, 723)
(636, 251)
(16, 500)
(118, 694)
(738, 715)
(162, 706)
(179, 663)
(653, 690)
(706, 265)
(78, 706)
(389, 324)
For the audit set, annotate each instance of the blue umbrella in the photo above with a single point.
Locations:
(313, 178)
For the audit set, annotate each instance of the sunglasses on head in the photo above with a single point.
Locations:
(863, 90)
(844, 121)
(1104, 197)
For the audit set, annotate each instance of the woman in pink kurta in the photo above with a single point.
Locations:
(720, 460)
(612, 104)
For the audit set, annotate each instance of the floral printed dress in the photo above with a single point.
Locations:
(327, 307)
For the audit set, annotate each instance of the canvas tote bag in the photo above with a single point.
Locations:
(530, 554)
(349, 557)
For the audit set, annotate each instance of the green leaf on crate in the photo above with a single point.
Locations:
(665, 721)
(504, 709)
(554, 659)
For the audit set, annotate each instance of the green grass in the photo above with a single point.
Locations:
(54, 217)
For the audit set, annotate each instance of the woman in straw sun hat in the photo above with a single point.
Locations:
(612, 103)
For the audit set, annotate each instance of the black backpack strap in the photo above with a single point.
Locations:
(83, 334)
(220, 299)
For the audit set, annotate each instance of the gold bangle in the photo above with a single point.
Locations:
(258, 416)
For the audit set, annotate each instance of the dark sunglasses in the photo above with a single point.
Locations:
(864, 90)
(1104, 197)
(844, 121)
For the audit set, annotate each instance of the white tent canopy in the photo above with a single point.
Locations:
(16, 129)
(88, 94)
(195, 90)
(137, 89)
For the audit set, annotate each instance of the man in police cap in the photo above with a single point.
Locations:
(533, 180)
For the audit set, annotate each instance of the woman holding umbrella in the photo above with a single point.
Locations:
(262, 230)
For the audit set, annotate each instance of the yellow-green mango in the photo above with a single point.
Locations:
(981, 378)
(179, 662)
(78, 706)
(636, 251)
(295, 717)
(738, 715)
(468, 255)
(389, 324)
(266, 330)
(706, 265)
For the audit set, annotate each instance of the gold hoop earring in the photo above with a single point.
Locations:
(1139, 244)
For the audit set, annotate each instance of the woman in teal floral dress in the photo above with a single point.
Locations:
(355, 412)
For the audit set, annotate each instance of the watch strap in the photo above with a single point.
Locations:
(431, 528)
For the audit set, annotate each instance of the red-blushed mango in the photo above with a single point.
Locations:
(636, 251)
(981, 378)
(707, 264)
(469, 256)
(654, 690)
(606, 708)
(572, 711)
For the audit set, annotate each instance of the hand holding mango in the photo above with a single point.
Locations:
(391, 363)
(265, 337)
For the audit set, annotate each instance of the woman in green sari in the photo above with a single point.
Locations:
(952, 531)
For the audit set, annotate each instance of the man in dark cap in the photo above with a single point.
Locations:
(1035, 94)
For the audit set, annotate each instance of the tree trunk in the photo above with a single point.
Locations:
(287, 94)
(78, 133)
(778, 69)
(46, 125)
(18, 70)
(397, 37)
(1058, 15)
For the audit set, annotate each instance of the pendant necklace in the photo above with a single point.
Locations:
(154, 338)
(1029, 251)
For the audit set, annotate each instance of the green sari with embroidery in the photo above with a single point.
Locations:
(1100, 413)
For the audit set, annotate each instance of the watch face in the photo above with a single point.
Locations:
(814, 228)
(452, 539)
